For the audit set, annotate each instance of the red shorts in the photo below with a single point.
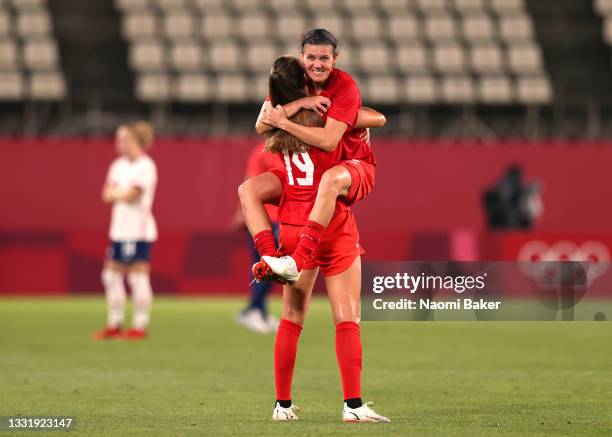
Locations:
(337, 250)
(363, 177)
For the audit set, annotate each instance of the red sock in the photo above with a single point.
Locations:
(310, 237)
(264, 243)
(348, 352)
(285, 349)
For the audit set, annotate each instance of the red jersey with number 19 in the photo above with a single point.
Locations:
(300, 179)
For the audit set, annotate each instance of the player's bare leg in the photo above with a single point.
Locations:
(142, 295)
(296, 300)
(335, 182)
(344, 292)
(114, 289)
(253, 194)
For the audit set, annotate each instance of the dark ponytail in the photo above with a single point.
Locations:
(287, 81)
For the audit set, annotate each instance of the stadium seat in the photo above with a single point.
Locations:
(440, 28)
(11, 85)
(392, 7)
(225, 56)
(457, 89)
(495, 90)
(253, 26)
(148, 56)
(153, 87)
(477, 27)
(381, 89)
(360, 7)
(366, 27)
(503, 7)
(318, 7)
(246, 6)
(260, 57)
(192, 87)
(432, 6)
(486, 58)
(5, 23)
(179, 25)
(170, 6)
(374, 58)
(603, 7)
(40, 54)
(347, 57)
(139, 25)
(132, 5)
(282, 7)
(33, 24)
(469, 6)
(607, 30)
(534, 90)
(449, 58)
(209, 6)
(259, 85)
(525, 59)
(421, 89)
(187, 55)
(515, 28)
(335, 23)
(8, 55)
(404, 27)
(217, 25)
(28, 4)
(47, 86)
(232, 88)
(291, 26)
(412, 58)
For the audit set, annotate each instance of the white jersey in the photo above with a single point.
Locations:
(133, 221)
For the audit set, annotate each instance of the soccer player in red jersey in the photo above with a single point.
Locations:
(353, 178)
(337, 255)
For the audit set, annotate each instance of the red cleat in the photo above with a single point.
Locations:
(134, 334)
(108, 333)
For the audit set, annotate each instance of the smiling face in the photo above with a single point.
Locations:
(318, 61)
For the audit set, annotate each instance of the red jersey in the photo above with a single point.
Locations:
(345, 98)
(300, 178)
(260, 162)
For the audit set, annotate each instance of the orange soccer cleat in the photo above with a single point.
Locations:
(108, 333)
(263, 273)
(134, 334)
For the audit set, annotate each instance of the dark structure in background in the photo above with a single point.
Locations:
(511, 203)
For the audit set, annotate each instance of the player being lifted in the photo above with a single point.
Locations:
(130, 188)
(334, 95)
(337, 255)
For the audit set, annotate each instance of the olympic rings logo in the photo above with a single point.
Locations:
(595, 253)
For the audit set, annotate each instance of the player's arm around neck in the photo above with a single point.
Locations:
(291, 109)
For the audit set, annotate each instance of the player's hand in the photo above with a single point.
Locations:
(318, 104)
(274, 117)
(365, 136)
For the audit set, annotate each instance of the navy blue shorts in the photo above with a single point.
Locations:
(127, 252)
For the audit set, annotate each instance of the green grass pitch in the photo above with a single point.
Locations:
(201, 374)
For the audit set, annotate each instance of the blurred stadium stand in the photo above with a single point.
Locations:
(452, 68)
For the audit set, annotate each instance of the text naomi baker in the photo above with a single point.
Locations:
(429, 304)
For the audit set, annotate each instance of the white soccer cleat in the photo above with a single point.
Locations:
(253, 320)
(281, 413)
(362, 414)
(283, 267)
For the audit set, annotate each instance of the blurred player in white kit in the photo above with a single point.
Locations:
(130, 188)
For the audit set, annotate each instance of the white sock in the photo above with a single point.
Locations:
(142, 294)
(115, 297)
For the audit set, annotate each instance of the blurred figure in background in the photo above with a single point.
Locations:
(511, 203)
(255, 316)
(130, 188)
